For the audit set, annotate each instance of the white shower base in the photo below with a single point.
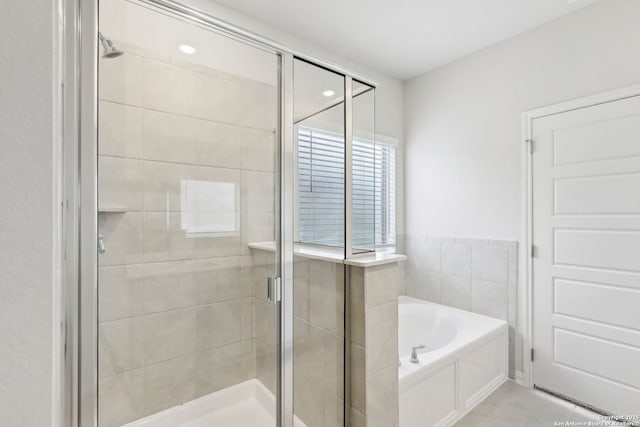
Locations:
(248, 404)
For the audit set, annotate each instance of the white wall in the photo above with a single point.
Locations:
(463, 121)
(27, 285)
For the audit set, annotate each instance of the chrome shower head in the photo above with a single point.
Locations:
(110, 51)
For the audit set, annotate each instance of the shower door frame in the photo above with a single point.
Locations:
(80, 388)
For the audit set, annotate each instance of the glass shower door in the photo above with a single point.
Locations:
(187, 217)
(319, 227)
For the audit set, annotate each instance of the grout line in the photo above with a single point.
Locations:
(144, 108)
(241, 299)
(145, 160)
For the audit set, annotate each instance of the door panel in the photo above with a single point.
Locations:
(187, 182)
(572, 299)
(586, 272)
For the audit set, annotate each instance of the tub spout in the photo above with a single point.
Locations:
(414, 353)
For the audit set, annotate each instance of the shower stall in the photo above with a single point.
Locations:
(223, 181)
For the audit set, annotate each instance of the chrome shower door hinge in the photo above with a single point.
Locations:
(531, 145)
(274, 289)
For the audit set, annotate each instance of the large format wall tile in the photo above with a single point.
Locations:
(224, 366)
(258, 150)
(258, 192)
(456, 259)
(122, 238)
(374, 345)
(379, 280)
(381, 335)
(210, 246)
(308, 401)
(326, 296)
(357, 306)
(177, 90)
(382, 398)
(168, 335)
(265, 344)
(217, 279)
(318, 341)
(163, 185)
(172, 137)
(120, 130)
(166, 186)
(456, 291)
(168, 286)
(165, 239)
(256, 227)
(358, 378)
(169, 383)
(120, 398)
(120, 346)
(220, 323)
(426, 285)
(120, 292)
(121, 81)
(490, 263)
(120, 183)
(489, 298)
(301, 287)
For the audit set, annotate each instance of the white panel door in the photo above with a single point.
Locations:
(586, 266)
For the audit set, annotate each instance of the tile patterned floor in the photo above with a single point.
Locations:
(513, 405)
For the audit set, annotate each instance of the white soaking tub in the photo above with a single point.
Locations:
(465, 360)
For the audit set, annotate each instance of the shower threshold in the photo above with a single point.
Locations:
(248, 404)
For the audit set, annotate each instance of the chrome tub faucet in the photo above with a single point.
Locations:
(414, 353)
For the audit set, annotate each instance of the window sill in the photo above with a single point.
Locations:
(335, 255)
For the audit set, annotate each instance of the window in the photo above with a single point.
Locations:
(321, 190)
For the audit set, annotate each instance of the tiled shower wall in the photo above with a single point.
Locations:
(318, 348)
(176, 312)
(470, 274)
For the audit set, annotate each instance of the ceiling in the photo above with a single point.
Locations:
(404, 38)
(132, 25)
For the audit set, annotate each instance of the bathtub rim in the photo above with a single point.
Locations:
(410, 374)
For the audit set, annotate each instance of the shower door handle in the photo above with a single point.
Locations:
(101, 248)
(274, 289)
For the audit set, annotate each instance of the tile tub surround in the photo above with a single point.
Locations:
(471, 274)
(176, 312)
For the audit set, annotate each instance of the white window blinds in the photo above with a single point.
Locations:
(321, 190)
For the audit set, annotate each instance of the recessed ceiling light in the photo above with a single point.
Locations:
(328, 93)
(189, 50)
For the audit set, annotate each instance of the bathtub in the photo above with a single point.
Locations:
(465, 360)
